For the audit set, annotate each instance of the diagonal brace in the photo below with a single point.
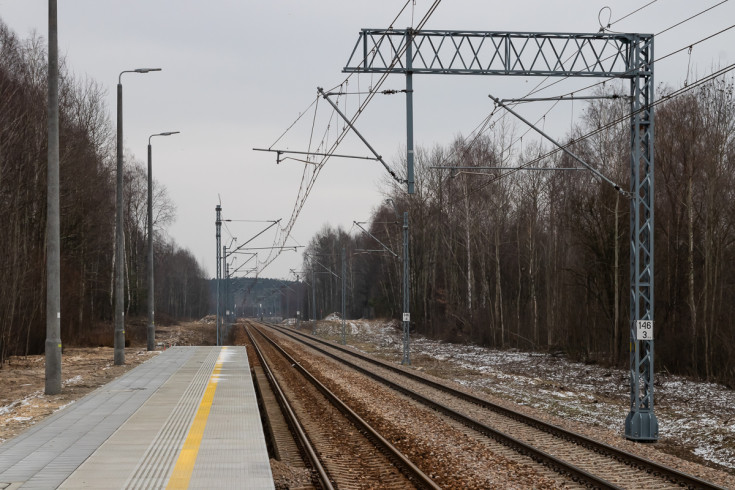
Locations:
(374, 238)
(352, 127)
(599, 174)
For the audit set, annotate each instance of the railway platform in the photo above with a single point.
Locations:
(187, 418)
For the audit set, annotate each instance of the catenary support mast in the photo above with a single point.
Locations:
(406, 294)
(641, 422)
(218, 225)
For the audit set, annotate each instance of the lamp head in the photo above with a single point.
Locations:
(167, 133)
(137, 70)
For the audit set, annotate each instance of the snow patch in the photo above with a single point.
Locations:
(62, 407)
(691, 413)
(73, 381)
(9, 408)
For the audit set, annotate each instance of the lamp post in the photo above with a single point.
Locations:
(119, 355)
(53, 241)
(151, 297)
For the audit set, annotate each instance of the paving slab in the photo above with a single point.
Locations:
(190, 412)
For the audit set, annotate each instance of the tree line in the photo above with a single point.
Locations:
(540, 259)
(87, 187)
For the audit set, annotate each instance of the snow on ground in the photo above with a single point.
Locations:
(73, 381)
(694, 415)
(8, 408)
(62, 407)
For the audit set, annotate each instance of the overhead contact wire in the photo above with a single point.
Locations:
(302, 199)
(536, 89)
(619, 120)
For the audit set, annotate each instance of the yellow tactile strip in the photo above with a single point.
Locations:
(143, 451)
(47, 454)
(158, 460)
(188, 454)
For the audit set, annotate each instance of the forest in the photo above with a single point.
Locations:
(540, 260)
(87, 169)
(533, 260)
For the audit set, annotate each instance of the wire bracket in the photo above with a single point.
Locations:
(597, 173)
(352, 127)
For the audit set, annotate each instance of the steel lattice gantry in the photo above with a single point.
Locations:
(603, 54)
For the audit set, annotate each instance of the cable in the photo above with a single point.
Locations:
(486, 122)
(250, 220)
(384, 92)
(537, 89)
(301, 199)
(633, 12)
(227, 228)
(294, 123)
(313, 125)
(665, 98)
(374, 48)
(606, 28)
(654, 61)
(346, 79)
(374, 88)
(692, 17)
(694, 43)
(390, 26)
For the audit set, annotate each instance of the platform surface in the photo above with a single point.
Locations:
(187, 418)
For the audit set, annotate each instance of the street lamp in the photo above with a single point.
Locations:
(119, 355)
(53, 240)
(151, 300)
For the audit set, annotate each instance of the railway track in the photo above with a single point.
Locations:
(582, 460)
(342, 449)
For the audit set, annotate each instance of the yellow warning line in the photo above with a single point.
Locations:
(188, 455)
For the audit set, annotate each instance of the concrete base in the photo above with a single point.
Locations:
(641, 426)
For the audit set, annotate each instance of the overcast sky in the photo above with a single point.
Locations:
(237, 73)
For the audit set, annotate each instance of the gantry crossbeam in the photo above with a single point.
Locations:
(495, 53)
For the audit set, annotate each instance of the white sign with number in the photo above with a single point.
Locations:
(406, 317)
(644, 329)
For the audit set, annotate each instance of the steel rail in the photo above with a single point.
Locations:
(652, 467)
(410, 470)
(301, 437)
(576, 474)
